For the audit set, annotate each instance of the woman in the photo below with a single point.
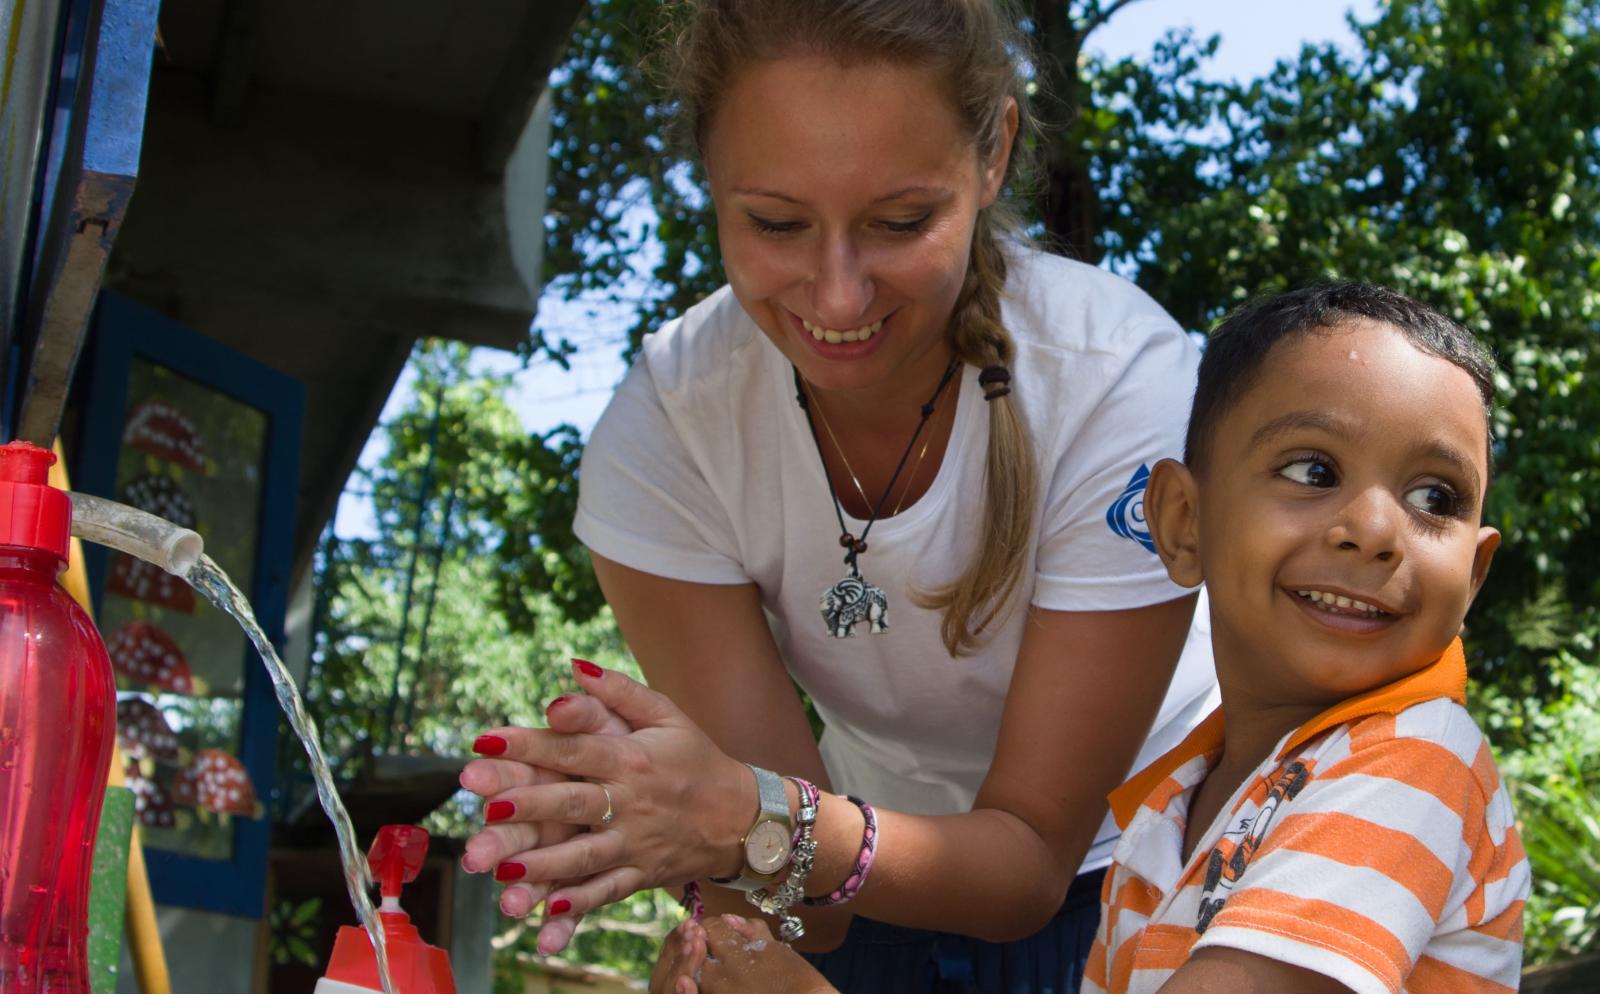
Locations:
(888, 378)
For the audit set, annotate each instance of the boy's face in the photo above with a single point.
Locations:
(1337, 522)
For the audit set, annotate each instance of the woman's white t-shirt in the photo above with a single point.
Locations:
(703, 469)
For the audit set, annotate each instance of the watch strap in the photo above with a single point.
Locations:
(774, 802)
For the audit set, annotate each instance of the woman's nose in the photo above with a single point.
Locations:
(1370, 524)
(841, 290)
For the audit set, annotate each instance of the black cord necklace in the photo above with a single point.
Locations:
(853, 599)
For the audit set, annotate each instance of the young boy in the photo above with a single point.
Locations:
(1338, 824)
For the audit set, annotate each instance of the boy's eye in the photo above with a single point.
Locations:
(1435, 498)
(1311, 472)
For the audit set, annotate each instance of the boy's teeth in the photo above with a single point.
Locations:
(1340, 603)
(834, 337)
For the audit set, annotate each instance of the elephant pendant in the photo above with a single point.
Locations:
(852, 600)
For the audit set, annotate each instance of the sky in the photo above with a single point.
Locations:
(1255, 34)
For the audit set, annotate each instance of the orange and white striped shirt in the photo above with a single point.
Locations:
(1375, 846)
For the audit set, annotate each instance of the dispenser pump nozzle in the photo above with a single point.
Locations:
(395, 859)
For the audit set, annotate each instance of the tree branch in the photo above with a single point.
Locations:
(1100, 17)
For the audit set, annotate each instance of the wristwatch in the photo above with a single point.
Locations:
(769, 843)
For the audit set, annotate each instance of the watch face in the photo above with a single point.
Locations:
(767, 847)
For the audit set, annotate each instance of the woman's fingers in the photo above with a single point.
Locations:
(519, 900)
(599, 756)
(599, 890)
(570, 802)
(633, 702)
(578, 858)
(486, 777)
(573, 714)
(486, 848)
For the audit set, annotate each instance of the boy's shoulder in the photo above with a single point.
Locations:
(1420, 746)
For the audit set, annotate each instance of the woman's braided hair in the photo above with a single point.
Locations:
(975, 47)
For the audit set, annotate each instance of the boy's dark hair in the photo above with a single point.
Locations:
(1237, 349)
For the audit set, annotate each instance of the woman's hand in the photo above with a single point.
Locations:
(731, 955)
(679, 804)
(569, 713)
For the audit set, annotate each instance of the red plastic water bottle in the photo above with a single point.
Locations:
(57, 724)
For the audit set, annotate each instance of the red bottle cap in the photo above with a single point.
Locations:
(33, 514)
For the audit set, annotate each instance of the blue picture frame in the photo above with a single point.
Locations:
(124, 331)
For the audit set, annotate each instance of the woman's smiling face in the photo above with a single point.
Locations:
(846, 198)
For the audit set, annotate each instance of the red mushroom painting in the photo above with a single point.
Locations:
(143, 732)
(216, 782)
(144, 653)
(142, 581)
(159, 429)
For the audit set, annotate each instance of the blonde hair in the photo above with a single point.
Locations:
(974, 46)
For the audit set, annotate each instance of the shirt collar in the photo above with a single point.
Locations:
(1444, 677)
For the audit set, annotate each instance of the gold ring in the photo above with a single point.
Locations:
(610, 815)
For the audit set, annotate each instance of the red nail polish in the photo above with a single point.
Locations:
(510, 871)
(588, 669)
(489, 745)
(563, 699)
(499, 811)
(559, 906)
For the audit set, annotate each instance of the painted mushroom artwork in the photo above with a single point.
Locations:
(144, 653)
(142, 581)
(143, 732)
(218, 782)
(151, 804)
(161, 496)
(159, 429)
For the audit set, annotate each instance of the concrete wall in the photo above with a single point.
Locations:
(323, 237)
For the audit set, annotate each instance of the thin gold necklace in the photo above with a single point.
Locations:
(916, 467)
(854, 599)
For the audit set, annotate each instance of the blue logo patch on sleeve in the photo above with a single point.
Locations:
(1125, 516)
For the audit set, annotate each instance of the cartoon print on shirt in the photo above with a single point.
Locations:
(1125, 516)
(1224, 869)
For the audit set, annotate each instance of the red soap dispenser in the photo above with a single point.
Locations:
(414, 966)
(58, 720)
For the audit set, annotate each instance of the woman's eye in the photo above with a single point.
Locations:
(767, 227)
(1311, 472)
(908, 227)
(1436, 499)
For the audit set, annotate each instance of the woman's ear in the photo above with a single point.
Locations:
(994, 171)
(1172, 513)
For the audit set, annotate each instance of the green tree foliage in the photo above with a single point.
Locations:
(465, 608)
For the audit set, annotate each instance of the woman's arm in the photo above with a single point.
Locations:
(1086, 688)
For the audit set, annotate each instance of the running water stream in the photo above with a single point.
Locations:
(178, 551)
(209, 579)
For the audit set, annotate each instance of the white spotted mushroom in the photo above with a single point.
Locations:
(144, 653)
(143, 732)
(217, 782)
(151, 804)
(161, 496)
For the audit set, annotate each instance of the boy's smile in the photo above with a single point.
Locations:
(1336, 517)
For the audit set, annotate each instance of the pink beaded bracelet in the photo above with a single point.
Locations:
(863, 865)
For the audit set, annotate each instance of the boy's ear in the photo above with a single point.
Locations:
(1172, 513)
(1488, 542)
